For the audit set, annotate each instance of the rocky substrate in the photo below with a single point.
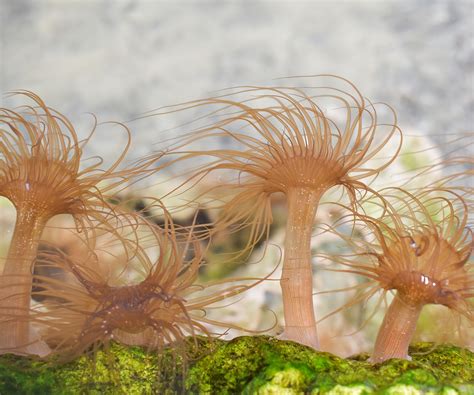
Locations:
(248, 365)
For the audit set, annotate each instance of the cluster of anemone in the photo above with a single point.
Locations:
(133, 278)
(42, 174)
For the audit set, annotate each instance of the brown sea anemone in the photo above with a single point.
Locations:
(141, 296)
(290, 143)
(42, 173)
(419, 248)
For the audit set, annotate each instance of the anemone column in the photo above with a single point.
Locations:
(17, 279)
(297, 276)
(397, 330)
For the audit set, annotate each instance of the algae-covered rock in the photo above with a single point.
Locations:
(248, 365)
(121, 370)
(263, 365)
(117, 370)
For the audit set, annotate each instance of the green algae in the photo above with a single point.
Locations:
(121, 370)
(249, 365)
(117, 370)
(263, 365)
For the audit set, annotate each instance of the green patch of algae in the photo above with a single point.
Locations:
(262, 365)
(249, 365)
(122, 370)
(119, 370)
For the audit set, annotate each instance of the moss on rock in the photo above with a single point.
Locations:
(122, 370)
(263, 365)
(250, 365)
(117, 370)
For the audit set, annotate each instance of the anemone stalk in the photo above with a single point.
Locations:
(396, 331)
(17, 273)
(297, 275)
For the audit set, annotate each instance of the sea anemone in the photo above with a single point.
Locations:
(41, 174)
(291, 145)
(419, 248)
(143, 296)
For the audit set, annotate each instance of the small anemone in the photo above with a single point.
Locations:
(143, 296)
(419, 248)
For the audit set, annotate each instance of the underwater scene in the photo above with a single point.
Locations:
(287, 238)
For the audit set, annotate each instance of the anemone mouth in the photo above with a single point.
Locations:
(130, 321)
(41, 197)
(133, 329)
(48, 183)
(417, 288)
(135, 296)
(304, 172)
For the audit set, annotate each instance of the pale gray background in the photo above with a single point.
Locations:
(121, 58)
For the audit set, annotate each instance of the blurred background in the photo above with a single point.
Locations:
(119, 59)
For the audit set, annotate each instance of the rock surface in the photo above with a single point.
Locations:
(248, 365)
